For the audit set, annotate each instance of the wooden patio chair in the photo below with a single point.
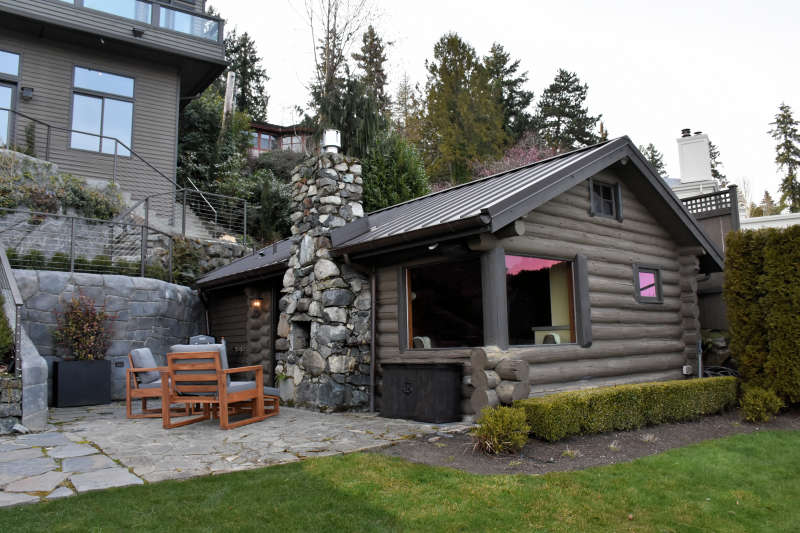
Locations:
(143, 382)
(197, 378)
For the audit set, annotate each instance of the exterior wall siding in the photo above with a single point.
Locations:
(632, 342)
(63, 14)
(47, 67)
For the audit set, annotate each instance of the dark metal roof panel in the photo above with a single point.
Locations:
(272, 255)
(463, 201)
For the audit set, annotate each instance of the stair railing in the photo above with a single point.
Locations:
(8, 283)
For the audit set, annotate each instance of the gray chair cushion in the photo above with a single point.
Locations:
(236, 386)
(201, 339)
(152, 385)
(143, 358)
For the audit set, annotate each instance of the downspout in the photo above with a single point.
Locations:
(373, 312)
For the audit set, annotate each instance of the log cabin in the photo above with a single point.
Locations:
(579, 271)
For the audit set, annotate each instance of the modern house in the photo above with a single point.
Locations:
(584, 266)
(267, 137)
(95, 86)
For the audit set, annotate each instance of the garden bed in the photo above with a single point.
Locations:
(577, 453)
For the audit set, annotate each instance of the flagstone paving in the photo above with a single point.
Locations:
(93, 448)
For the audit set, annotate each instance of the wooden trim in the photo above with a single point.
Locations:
(584, 314)
(409, 311)
(571, 295)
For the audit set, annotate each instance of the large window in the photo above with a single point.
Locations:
(262, 142)
(98, 118)
(292, 143)
(540, 300)
(130, 9)
(445, 308)
(187, 23)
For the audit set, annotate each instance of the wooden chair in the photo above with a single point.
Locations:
(143, 382)
(197, 378)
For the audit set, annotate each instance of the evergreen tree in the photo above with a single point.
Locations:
(393, 173)
(768, 206)
(408, 110)
(463, 120)
(713, 156)
(508, 91)
(371, 59)
(242, 58)
(655, 158)
(562, 120)
(785, 132)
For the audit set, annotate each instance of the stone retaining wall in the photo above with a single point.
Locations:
(147, 312)
(10, 402)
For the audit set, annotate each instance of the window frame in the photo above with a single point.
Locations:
(616, 198)
(404, 303)
(103, 96)
(572, 290)
(637, 289)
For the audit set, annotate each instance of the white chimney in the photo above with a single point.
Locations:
(331, 141)
(693, 156)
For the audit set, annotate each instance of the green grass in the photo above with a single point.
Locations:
(740, 483)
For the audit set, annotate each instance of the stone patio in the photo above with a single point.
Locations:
(93, 448)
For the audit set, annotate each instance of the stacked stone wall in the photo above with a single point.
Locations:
(323, 345)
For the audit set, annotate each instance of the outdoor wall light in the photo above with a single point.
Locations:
(255, 303)
(26, 93)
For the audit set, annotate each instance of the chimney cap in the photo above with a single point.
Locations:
(331, 141)
(686, 132)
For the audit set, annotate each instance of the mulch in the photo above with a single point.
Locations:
(576, 453)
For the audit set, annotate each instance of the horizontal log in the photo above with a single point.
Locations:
(556, 248)
(617, 301)
(482, 398)
(389, 340)
(386, 312)
(546, 353)
(509, 392)
(632, 209)
(486, 357)
(387, 326)
(638, 331)
(484, 379)
(647, 315)
(594, 368)
(598, 284)
(512, 369)
(691, 250)
(624, 272)
(575, 213)
(386, 300)
(544, 389)
(588, 237)
(620, 231)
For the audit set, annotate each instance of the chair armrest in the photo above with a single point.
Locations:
(159, 369)
(238, 369)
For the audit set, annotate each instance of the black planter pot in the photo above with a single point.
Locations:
(82, 383)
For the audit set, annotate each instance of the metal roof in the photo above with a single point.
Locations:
(486, 204)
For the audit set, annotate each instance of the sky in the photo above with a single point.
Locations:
(653, 67)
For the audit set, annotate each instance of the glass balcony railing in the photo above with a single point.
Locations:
(156, 14)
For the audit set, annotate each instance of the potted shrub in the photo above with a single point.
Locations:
(83, 378)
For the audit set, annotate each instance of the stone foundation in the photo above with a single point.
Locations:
(323, 345)
(10, 402)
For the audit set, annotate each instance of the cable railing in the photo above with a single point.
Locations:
(8, 285)
(68, 243)
(184, 210)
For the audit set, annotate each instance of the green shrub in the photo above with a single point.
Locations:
(6, 336)
(82, 264)
(13, 257)
(156, 271)
(101, 264)
(501, 430)
(759, 405)
(126, 268)
(33, 260)
(59, 261)
(762, 293)
(626, 407)
(82, 329)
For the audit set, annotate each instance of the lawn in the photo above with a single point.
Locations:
(741, 483)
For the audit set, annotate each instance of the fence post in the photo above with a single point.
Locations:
(171, 280)
(244, 238)
(116, 145)
(47, 145)
(72, 245)
(183, 214)
(144, 234)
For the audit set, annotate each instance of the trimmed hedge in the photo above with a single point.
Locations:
(626, 407)
(762, 292)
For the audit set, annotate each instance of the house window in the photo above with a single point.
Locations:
(184, 22)
(647, 284)
(540, 297)
(292, 143)
(130, 9)
(445, 305)
(97, 118)
(9, 64)
(605, 200)
(262, 142)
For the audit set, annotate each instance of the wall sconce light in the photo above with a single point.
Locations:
(137, 32)
(26, 93)
(256, 303)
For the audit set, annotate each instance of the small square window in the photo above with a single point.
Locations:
(647, 284)
(605, 200)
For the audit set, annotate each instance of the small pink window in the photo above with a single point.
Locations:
(648, 285)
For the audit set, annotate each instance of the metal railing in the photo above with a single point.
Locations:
(184, 210)
(9, 284)
(50, 241)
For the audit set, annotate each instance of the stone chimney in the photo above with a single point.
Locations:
(323, 344)
(693, 156)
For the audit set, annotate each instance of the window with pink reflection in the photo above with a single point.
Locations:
(648, 285)
(541, 309)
